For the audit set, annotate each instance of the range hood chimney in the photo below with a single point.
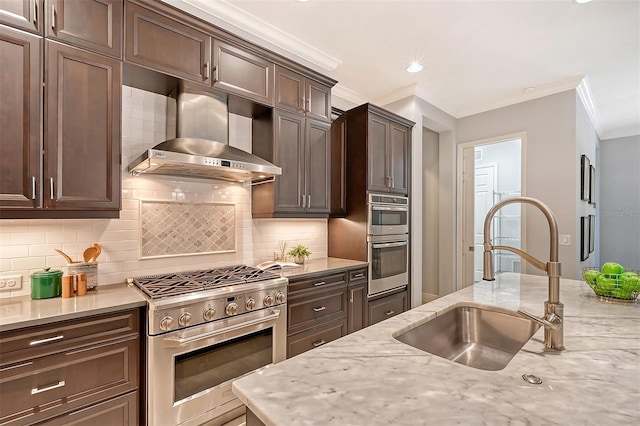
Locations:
(201, 148)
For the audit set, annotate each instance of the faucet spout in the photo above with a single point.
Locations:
(552, 320)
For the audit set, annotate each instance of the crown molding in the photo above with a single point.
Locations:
(347, 94)
(232, 18)
(584, 92)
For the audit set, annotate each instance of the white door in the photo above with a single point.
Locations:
(485, 182)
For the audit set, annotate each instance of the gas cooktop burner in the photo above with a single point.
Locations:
(172, 284)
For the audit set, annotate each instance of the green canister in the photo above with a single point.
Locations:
(46, 284)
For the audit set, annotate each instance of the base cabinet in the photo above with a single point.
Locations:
(81, 371)
(357, 300)
(387, 306)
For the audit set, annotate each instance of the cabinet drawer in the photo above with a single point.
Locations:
(315, 337)
(323, 281)
(46, 386)
(122, 410)
(310, 310)
(357, 274)
(387, 307)
(18, 345)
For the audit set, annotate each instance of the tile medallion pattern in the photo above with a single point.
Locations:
(174, 229)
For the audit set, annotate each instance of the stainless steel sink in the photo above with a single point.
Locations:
(483, 338)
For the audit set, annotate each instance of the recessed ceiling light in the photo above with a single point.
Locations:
(414, 67)
(529, 90)
(582, 1)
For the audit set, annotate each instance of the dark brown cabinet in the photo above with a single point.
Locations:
(72, 372)
(338, 164)
(388, 306)
(20, 119)
(297, 93)
(387, 155)
(23, 14)
(302, 148)
(90, 24)
(357, 300)
(166, 45)
(242, 73)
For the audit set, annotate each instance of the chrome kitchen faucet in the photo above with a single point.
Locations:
(553, 309)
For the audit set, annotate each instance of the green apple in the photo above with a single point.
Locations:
(629, 281)
(612, 268)
(590, 276)
(605, 284)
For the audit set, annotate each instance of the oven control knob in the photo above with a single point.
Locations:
(166, 323)
(209, 314)
(280, 297)
(251, 303)
(185, 319)
(268, 300)
(232, 308)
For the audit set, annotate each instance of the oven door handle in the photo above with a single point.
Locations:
(385, 245)
(174, 342)
(390, 208)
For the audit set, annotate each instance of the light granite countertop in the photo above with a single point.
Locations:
(21, 311)
(369, 378)
(327, 264)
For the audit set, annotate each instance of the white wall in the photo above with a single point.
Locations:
(550, 170)
(619, 201)
(27, 246)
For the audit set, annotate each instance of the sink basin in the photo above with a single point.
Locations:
(479, 337)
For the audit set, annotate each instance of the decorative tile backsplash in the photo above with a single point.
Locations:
(27, 246)
(173, 229)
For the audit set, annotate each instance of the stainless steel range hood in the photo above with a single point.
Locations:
(201, 148)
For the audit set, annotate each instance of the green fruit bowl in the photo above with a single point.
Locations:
(623, 287)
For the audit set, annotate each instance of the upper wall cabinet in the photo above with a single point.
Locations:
(295, 92)
(91, 24)
(163, 44)
(23, 14)
(243, 73)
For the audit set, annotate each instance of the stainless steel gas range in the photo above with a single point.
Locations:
(205, 329)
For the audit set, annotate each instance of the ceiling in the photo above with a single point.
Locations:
(477, 55)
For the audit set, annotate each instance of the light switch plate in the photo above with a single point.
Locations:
(565, 239)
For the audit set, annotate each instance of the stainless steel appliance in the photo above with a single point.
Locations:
(387, 215)
(388, 263)
(205, 329)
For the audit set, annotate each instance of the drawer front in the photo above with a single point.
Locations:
(315, 337)
(310, 310)
(357, 274)
(320, 282)
(122, 410)
(50, 385)
(387, 307)
(46, 339)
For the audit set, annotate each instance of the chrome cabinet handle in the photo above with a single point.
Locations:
(360, 275)
(51, 188)
(47, 340)
(351, 297)
(319, 283)
(53, 17)
(389, 313)
(33, 187)
(318, 343)
(60, 384)
(207, 73)
(215, 73)
(385, 245)
(35, 12)
(321, 308)
(303, 201)
(308, 201)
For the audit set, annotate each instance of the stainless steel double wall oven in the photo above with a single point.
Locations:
(387, 243)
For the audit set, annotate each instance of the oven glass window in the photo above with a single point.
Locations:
(388, 217)
(388, 261)
(208, 367)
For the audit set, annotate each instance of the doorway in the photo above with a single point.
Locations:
(488, 171)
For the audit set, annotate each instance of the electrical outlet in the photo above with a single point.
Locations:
(10, 282)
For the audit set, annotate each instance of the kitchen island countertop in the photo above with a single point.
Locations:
(369, 378)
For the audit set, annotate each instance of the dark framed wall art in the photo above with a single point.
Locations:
(584, 237)
(592, 233)
(585, 169)
(592, 185)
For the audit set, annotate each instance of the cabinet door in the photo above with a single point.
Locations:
(242, 73)
(318, 100)
(399, 158)
(357, 294)
(290, 90)
(289, 147)
(122, 410)
(338, 166)
(387, 307)
(377, 154)
(82, 138)
(164, 45)
(315, 337)
(20, 119)
(23, 14)
(91, 24)
(317, 170)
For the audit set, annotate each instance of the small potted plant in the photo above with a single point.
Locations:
(298, 253)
